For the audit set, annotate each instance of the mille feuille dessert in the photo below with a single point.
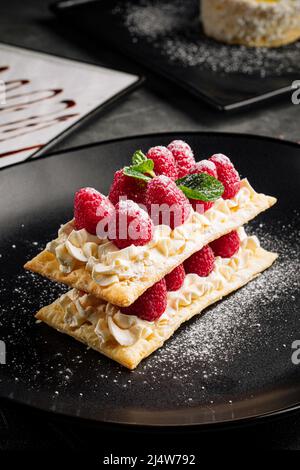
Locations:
(166, 243)
(255, 23)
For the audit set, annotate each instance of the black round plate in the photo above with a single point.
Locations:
(232, 363)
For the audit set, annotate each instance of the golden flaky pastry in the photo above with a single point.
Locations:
(127, 339)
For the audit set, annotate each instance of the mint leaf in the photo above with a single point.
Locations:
(201, 187)
(131, 171)
(138, 157)
(144, 167)
(141, 166)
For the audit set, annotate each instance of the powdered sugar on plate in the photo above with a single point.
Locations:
(173, 30)
(237, 345)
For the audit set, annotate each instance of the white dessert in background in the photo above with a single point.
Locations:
(255, 23)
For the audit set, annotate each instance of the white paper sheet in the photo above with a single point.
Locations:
(42, 95)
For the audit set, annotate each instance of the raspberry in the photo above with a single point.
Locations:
(227, 174)
(227, 245)
(132, 226)
(183, 155)
(150, 305)
(166, 202)
(201, 206)
(175, 278)
(164, 162)
(90, 207)
(124, 185)
(204, 166)
(201, 263)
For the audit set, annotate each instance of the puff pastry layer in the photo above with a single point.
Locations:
(127, 339)
(130, 274)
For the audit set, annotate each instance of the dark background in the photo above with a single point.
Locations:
(156, 107)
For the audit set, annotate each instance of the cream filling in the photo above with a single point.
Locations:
(110, 323)
(109, 265)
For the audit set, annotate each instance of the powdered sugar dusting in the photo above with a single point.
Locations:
(206, 164)
(219, 331)
(173, 30)
(220, 158)
(238, 343)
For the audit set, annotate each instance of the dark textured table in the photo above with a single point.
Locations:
(156, 107)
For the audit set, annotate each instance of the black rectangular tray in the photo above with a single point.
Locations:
(166, 37)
